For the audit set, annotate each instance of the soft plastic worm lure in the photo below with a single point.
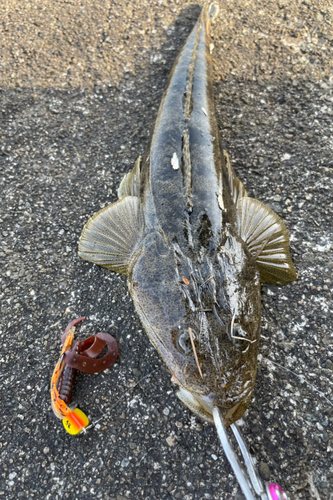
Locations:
(59, 406)
(83, 356)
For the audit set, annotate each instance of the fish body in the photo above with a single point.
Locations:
(194, 245)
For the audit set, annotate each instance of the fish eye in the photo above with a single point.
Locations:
(184, 341)
(238, 332)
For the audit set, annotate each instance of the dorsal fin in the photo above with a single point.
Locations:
(267, 239)
(111, 236)
(237, 188)
(130, 184)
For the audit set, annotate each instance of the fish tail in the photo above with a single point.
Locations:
(210, 13)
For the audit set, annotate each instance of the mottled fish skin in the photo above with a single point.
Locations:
(196, 246)
(189, 235)
(186, 126)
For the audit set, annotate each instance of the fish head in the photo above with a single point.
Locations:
(202, 313)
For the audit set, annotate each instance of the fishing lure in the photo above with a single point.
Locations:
(83, 356)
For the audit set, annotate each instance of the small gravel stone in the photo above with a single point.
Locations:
(264, 471)
(171, 440)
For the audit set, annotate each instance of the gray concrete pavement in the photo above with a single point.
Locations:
(80, 89)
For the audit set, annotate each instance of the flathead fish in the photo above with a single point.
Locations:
(194, 246)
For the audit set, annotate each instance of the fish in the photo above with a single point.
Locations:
(195, 247)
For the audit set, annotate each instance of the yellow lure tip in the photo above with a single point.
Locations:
(75, 422)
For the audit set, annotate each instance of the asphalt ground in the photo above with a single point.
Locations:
(80, 86)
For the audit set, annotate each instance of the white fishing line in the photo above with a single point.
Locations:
(302, 378)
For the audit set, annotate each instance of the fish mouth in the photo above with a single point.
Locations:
(202, 405)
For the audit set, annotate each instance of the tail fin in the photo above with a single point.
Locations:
(210, 13)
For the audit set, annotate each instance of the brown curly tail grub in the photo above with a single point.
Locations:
(87, 360)
(86, 357)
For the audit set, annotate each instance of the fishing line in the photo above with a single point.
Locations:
(302, 378)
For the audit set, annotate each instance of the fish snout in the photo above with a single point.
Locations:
(202, 404)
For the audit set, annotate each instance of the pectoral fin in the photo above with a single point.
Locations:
(267, 239)
(130, 185)
(111, 236)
